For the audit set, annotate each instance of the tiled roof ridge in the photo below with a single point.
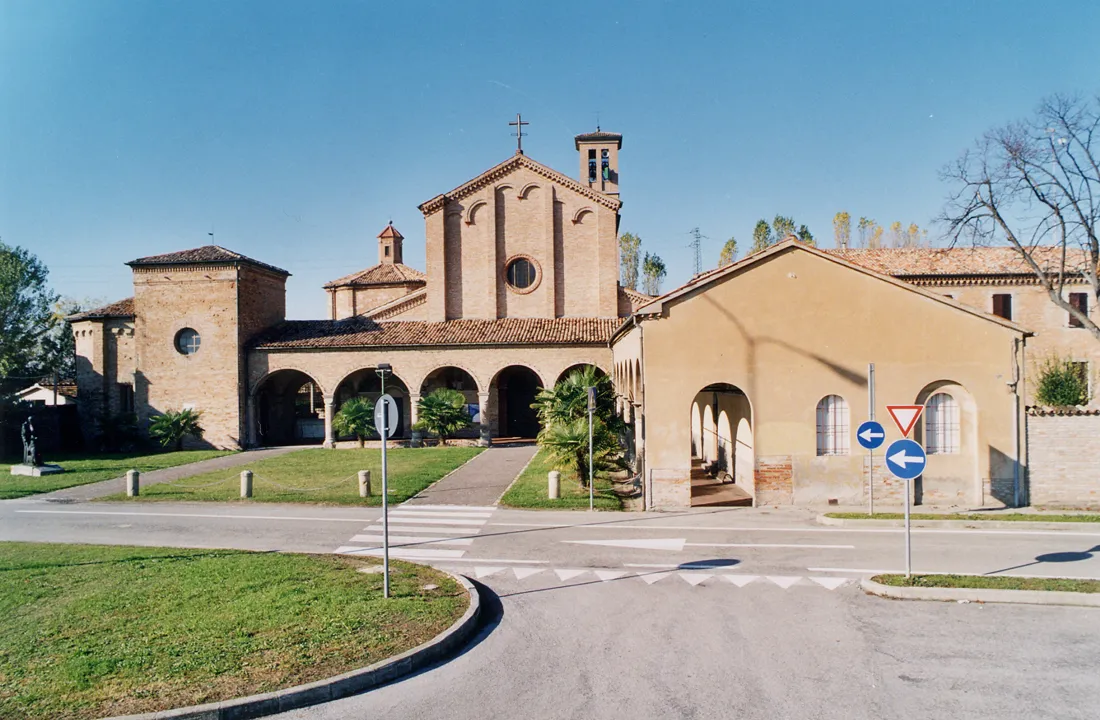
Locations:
(498, 171)
(120, 308)
(972, 261)
(1060, 411)
(405, 274)
(206, 254)
(398, 305)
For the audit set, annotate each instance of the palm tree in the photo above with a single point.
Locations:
(567, 443)
(173, 426)
(443, 412)
(356, 417)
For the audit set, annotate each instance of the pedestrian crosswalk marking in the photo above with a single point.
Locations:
(651, 578)
(606, 575)
(483, 572)
(570, 573)
(831, 583)
(741, 580)
(411, 540)
(784, 581)
(693, 578)
(401, 553)
(418, 531)
(522, 572)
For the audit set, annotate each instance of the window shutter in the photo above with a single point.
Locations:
(1079, 301)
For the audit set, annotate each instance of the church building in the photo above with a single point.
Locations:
(521, 286)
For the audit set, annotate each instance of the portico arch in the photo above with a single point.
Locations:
(514, 389)
(288, 409)
(366, 382)
(721, 446)
(579, 366)
(456, 378)
(948, 431)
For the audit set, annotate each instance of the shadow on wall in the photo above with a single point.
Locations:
(1002, 484)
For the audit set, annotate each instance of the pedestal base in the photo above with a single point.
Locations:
(36, 470)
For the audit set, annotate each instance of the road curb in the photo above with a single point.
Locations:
(1021, 597)
(339, 686)
(963, 524)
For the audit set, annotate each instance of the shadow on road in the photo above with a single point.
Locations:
(1055, 557)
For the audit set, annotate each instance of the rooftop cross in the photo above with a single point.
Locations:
(519, 132)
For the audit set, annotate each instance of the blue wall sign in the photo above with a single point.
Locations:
(870, 435)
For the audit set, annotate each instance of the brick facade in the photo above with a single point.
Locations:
(1064, 461)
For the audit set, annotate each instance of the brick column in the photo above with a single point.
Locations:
(250, 420)
(486, 416)
(414, 409)
(329, 441)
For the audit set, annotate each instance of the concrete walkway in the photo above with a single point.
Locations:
(91, 491)
(481, 481)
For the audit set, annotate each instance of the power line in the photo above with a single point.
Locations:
(697, 244)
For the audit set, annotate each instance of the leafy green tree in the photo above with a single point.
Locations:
(443, 413)
(653, 271)
(842, 229)
(355, 417)
(782, 227)
(27, 316)
(173, 426)
(729, 253)
(761, 236)
(805, 236)
(629, 245)
(563, 414)
(1062, 383)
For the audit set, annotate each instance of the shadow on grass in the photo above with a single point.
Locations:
(121, 561)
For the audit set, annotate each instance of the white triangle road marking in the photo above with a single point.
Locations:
(522, 572)
(652, 577)
(741, 580)
(639, 543)
(567, 574)
(829, 582)
(606, 575)
(482, 571)
(693, 578)
(784, 581)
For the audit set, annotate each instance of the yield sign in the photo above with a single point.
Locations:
(905, 416)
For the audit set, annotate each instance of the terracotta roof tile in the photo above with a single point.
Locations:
(364, 332)
(120, 309)
(911, 262)
(208, 254)
(598, 136)
(390, 232)
(384, 274)
(637, 299)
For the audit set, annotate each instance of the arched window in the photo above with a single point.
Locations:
(832, 426)
(941, 425)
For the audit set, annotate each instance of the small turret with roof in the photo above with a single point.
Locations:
(599, 156)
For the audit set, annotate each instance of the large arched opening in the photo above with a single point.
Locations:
(722, 458)
(368, 384)
(455, 378)
(515, 388)
(578, 368)
(948, 432)
(290, 410)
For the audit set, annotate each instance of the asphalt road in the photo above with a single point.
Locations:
(717, 613)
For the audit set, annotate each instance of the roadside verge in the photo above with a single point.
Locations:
(983, 595)
(823, 519)
(350, 683)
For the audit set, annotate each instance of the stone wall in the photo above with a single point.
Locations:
(1064, 459)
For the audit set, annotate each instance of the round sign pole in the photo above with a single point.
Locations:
(385, 431)
(871, 451)
(908, 544)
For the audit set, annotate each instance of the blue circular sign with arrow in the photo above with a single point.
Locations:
(870, 435)
(905, 459)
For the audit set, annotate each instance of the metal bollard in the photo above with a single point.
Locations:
(364, 483)
(133, 480)
(554, 491)
(246, 483)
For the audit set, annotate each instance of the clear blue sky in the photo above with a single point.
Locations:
(295, 130)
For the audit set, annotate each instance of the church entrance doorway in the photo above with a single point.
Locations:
(722, 456)
(516, 387)
(290, 410)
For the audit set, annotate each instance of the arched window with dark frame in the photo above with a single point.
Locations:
(832, 426)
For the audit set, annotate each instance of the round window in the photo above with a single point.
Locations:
(187, 341)
(522, 274)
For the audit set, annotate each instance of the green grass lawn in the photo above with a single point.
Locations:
(990, 582)
(81, 469)
(319, 476)
(91, 631)
(1007, 517)
(530, 489)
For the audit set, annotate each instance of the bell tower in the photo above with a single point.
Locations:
(389, 246)
(599, 159)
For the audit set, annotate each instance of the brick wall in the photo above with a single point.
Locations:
(1064, 460)
(774, 480)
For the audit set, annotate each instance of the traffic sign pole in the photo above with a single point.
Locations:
(385, 509)
(871, 451)
(906, 460)
(908, 543)
(591, 473)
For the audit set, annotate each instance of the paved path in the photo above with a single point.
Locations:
(83, 493)
(481, 481)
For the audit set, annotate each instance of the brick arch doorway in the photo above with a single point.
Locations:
(721, 446)
(515, 388)
(290, 410)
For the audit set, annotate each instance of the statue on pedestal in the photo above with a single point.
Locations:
(31, 455)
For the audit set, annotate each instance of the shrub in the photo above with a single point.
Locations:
(1062, 383)
(442, 413)
(356, 417)
(173, 426)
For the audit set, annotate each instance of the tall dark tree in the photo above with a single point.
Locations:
(1034, 185)
(729, 253)
(653, 271)
(27, 316)
(761, 236)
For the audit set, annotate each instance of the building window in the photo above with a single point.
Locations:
(832, 426)
(125, 398)
(387, 251)
(1079, 301)
(591, 166)
(522, 274)
(941, 425)
(187, 341)
(1002, 305)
